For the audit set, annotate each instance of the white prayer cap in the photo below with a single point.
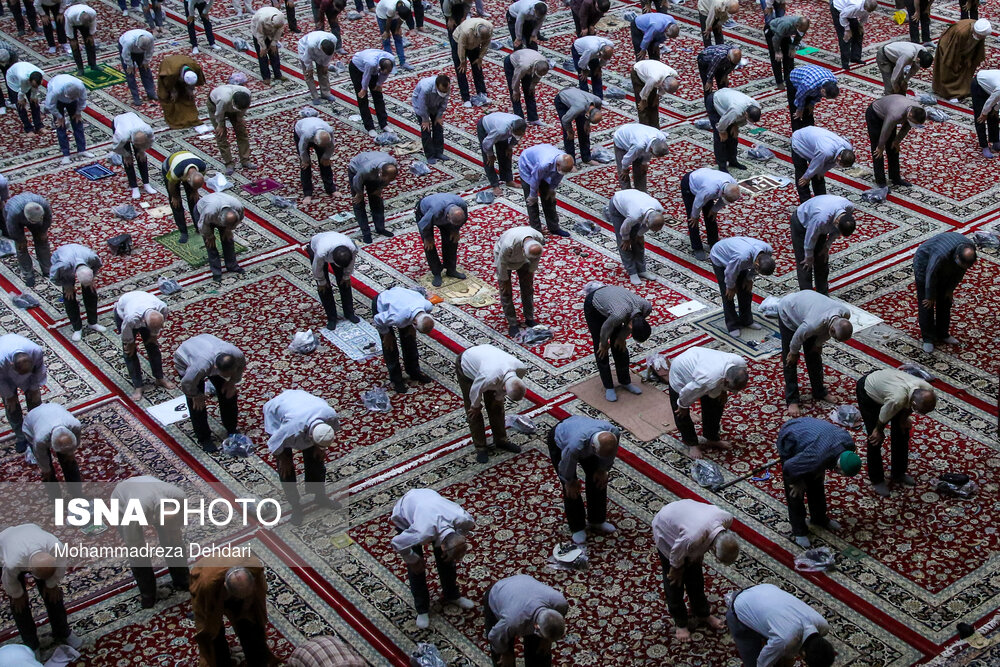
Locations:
(322, 434)
(84, 275)
(982, 27)
(190, 78)
(58, 433)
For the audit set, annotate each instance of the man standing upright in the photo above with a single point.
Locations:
(939, 265)
(593, 444)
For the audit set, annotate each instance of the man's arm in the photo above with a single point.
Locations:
(220, 112)
(991, 102)
(799, 338)
(930, 273)
(809, 244)
(500, 637)
(626, 229)
(691, 392)
(816, 165)
(476, 393)
(366, 78)
(700, 199)
(679, 550)
(567, 466)
(608, 328)
(193, 382)
(403, 545)
(888, 126)
(647, 38)
(774, 651)
(898, 80)
(518, 25)
(732, 270)
(630, 156)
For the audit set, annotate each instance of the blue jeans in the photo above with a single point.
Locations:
(123, 7)
(69, 111)
(392, 25)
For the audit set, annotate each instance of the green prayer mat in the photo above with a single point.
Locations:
(193, 252)
(102, 77)
(806, 51)
(757, 130)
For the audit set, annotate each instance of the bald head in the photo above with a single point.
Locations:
(142, 140)
(737, 378)
(733, 7)
(230, 217)
(802, 25)
(726, 547)
(424, 323)
(63, 439)
(672, 30)
(84, 275)
(34, 212)
(659, 147)
(456, 215)
(42, 565)
(515, 388)
(144, 42)
(655, 221)
(239, 583)
(731, 192)
(564, 163)
(966, 256)
(841, 329)
(23, 363)
(606, 444)
(671, 84)
(735, 55)
(154, 321)
(551, 624)
(323, 139)
(195, 178)
(389, 173)
(532, 248)
(923, 400)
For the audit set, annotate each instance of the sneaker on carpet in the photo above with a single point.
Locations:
(65, 160)
(603, 528)
(632, 388)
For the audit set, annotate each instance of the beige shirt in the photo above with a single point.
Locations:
(714, 11)
(509, 251)
(685, 529)
(150, 492)
(893, 389)
(465, 36)
(17, 545)
(489, 368)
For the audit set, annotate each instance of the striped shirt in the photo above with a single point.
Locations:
(324, 652)
(934, 262)
(819, 147)
(617, 305)
(818, 216)
(808, 446)
(809, 314)
(737, 254)
(807, 80)
(176, 167)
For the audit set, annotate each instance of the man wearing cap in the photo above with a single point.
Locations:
(518, 250)
(636, 145)
(222, 212)
(498, 133)
(542, 168)
(807, 85)
(406, 311)
(632, 213)
(228, 103)
(889, 119)
(783, 35)
(808, 447)
(268, 27)
(898, 62)
(65, 99)
(178, 76)
(202, 9)
(612, 313)
(299, 421)
(81, 21)
(488, 375)
(815, 224)
(446, 212)
(706, 192)
(72, 264)
(151, 494)
(524, 20)
(524, 68)
(590, 53)
(986, 109)
(593, 444)
(369, 173)
(25, 79)
(806, 320)
(650, 79)
(314, 134)
(582, 109)
(430, 101)
(736, 260)
(334, 250)
(815, 151)
(939, 265)
(423, 517)
(961, 50)
(140, 314)
(469, 44)
(28, 212)
(368, 70)
(728, 110)
(772, 627)
(205, 357)
(22, 366)
(315, 50)
(132, 138)
(649, 31)
(713, 14)
(522, 606)
(684, 531)
(706, 375)
(390, 15)
(28, 550)
(50, 428)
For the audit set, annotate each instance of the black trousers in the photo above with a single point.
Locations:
(595, 511)
(547, 199)
(54, 14)
(253, 639)
(432, 140)
(527, 93)
(737, 310)
(813, 355)
(71, 475)
(716, 31)
(314, 464)
(920, 30)
(850, 51)
(129, 165)
(582, 132)
(527, 32)
(594, 73)
(492, 403)
(820, 270)
(595, 320)
(88, 44)
(142, 568)
(373, 95)
(25, 620)
(326, 292)
(652, 51)
(815, 494)
(988, 133)
(537, 653)
(783, 68)
(650, 114)
(711, 418)
(192, 197)
(152, 350)
(206, 22)
(969, 9)
(471, 56)
(306, 173)
(270, 62)
(375, 202)
(448, 573)
(390, 352)
(504, 154)
(899, 436)
(875, 123)
(29, 12)
(818, 182)
(721, 78)
(935, 322)
(807, 119)
(693, 583)
(228, 411)
(448, 259)
(72, 306)
(711, 226)
(725, 151)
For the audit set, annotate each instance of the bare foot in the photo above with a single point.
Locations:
(719, 444)
(306, 201)
(694, 452)
(716, 623)
(497, 191)
(592, 163)
(136, 394)
(509, 184)
(794, 410)
(682, 635)
(165, 383)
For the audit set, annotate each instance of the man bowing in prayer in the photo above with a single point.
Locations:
(205, 357)
(72, 264)
(406, 311)
(542, 168)
(939, 265)
(448, 213)
(612, 313)
(222, 212)
(176, 81)
(518, 250)
(487, 375)
(333, 250)
(961, 50)
(700, 373)
(632, 213)
(22, 366)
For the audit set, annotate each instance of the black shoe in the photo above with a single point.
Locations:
(821, 394)
(737, 165)
(530, 323)
(455, 273)
(384, 232)
(217, 277)
(352, 318)
(183, 238)
(21, 446)
(331, 325)
(482, 456)
(723, 169)
(436, 281)
(560, 232)
(238, 269)
(700, 255)
(422, 378)
(902, 183)
(208, 447)
(147, 603)
(30, 281)
(366, 239)
(508, 446)
(399, 388)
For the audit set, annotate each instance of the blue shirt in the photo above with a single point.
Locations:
(432, 210)
(808, 446)
(573, 438)
(368, 62)
(654, 28)
(807, 79)
(428, 103)
(537, 164)
(820, 147)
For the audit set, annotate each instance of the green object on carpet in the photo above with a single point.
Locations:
(806, 50)
(853, 553)
(193, 252)
(757, 130)
(102, 77)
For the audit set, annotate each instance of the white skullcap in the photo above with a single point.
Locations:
(982, 27)
(84, 274)
(322, 434)
(190, 78)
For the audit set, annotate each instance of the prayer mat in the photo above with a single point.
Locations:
(261, 186)
(193, 252)
(645, 417)
(470, 291)
(806, 51)
(102, 77)
(757, 185)
(754, 343)
(358, 341)
(94, 172)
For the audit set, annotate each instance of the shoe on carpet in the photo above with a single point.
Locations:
(183, 238)
(537, 123)
(30, 281)
(928, 347)
(802, 541)
(482, 456)
(77, 336)
(603, 528)
(905, 480)
(454, 273)
(86, 154)
(216, 47)
(423, 621)
(512, 331)
(149, 189)
(147, 603)
(99, 328)
(208, 447)
(580, 537)
(508, 446)
(64, 160)
(136, 102)
(195, 51)
(530, 323)
(881, 489)
(21, 446)
(297, 516)
(735, 333)
(462, 603)
(950, 340)
(372, 133)
(561, 232)
(249, 166)
(52, 50)
(632, 388)
(384, 232)
(610, 395)
(738, 165)
(135, 193)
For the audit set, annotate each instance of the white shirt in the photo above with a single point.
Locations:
(38, 426)
(989, 81)
(782, 618)
(150, 492)
(386, 9)
(132, 308)
(18, 655)
(65, 88)
(489, 369)
(653, 74)
(588, 46)
(310, 52)
(17, 78)
(290, 416)
(701, 371)
(685, 529)
(323, 245)
(80, 15)
(635, 138)
(708, 184)
(17, 545)
(398, 306)
(424, 516)
(635, 206)
(126, 125)
(851, 9)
